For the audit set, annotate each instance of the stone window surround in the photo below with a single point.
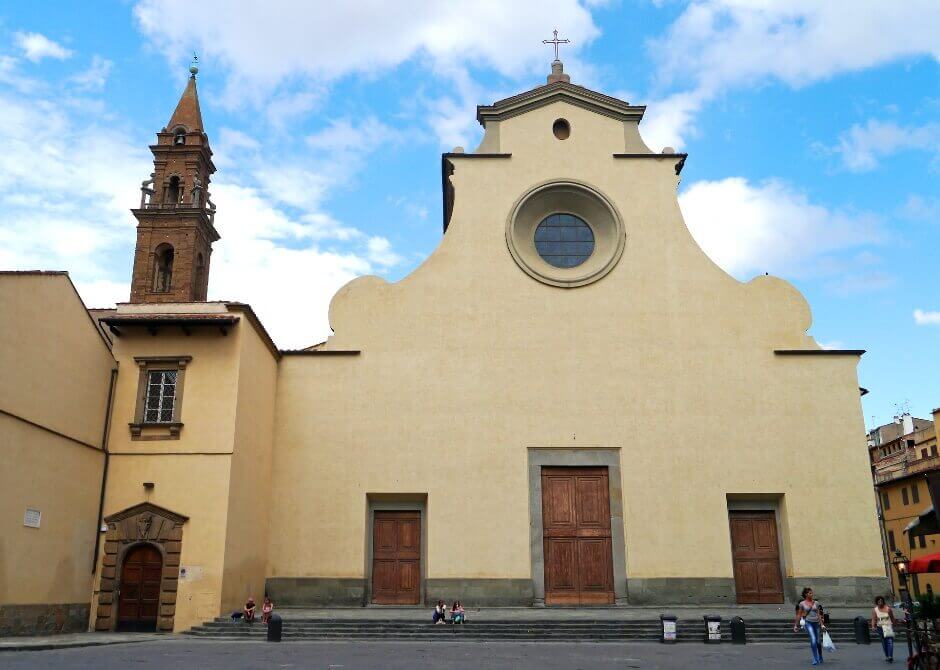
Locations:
(540, 457)
(147, 364)
(567, 196)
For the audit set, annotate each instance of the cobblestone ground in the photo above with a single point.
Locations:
(180, 654)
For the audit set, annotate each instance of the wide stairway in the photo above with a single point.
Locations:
(306, 628)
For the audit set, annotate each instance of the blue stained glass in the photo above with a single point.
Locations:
(564, 240)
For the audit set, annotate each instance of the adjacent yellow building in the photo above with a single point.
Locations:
(902, 453)
(489, 427)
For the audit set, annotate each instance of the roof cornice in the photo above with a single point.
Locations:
(571, 93)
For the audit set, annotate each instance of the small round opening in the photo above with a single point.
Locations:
(561, 129)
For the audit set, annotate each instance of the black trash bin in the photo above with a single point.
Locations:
(862, 634)
(668, 623)
(274, 628)
(738, 631)
(712, 628)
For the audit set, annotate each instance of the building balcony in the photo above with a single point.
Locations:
(905, 469)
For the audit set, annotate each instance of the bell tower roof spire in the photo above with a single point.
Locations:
(187, 113)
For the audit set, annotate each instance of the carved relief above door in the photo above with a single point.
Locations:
(142, 547)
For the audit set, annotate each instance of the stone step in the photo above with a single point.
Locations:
(557, 630)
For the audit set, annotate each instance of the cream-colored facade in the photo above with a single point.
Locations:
(450, 392)
(54, 388)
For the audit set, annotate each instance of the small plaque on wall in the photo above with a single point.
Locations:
(32, 518)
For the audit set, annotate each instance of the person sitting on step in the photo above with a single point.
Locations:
(440, 613)
(457, 614)
(266, 608)
(250, 610)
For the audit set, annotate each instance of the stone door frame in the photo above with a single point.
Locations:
(540, 457)
(143, 524)
(395, 502)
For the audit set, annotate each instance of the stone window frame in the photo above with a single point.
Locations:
(146, 365)
(567, 196)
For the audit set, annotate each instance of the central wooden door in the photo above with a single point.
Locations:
(139, 599)
(576, 531)
(756, 557)
(396, 558)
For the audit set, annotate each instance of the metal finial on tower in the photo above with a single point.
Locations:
(194, 67)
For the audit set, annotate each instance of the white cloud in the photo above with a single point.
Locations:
(920, 208)
(271, 261)
(749, 229)
(863, 145)
(716, 45)
(267, 46)
(925, 318)
(67, 184)
(265, 43)
(832, 344)
(96, 76)
(380, 252)
(36, 46)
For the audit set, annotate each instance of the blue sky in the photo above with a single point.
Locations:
(813, 134)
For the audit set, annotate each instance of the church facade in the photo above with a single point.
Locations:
(566, 403)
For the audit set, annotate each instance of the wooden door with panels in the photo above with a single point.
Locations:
(396, 558)
(139, 597)
(755, 554)
(576, 532)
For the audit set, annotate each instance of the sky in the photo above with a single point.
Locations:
(813, 135)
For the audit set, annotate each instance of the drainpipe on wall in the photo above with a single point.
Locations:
(105, 433)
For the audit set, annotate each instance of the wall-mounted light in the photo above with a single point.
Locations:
(149, 485)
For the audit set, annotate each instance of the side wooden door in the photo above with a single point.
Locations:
(139, 600)
(756, 556)
(576, 532)
(396, 558)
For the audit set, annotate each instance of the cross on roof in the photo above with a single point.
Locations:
(556, 42)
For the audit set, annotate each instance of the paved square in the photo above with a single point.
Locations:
(180, 654)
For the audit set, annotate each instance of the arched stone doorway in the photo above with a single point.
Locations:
(140, 569)
(139, 594)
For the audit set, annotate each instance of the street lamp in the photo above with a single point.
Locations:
(901, 565)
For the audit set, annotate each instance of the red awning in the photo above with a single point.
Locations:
(924, 564)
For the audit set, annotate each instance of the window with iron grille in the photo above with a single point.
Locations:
(161, 396)
(915, 494)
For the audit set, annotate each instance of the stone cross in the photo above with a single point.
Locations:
(556, 42)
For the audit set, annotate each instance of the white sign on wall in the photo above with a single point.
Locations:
(32, 518)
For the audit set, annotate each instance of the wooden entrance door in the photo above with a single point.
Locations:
(396, 558)
(576, 531)
(756, 557)
(139, 599)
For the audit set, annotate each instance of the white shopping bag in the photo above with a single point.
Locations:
(827, 642)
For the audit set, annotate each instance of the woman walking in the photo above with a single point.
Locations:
(882, 620)
(809, 614)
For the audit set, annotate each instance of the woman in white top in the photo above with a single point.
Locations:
(882, 620)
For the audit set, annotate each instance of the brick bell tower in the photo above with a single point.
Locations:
(175, 221)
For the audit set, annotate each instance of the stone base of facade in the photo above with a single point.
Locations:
(18, 620)
(840, 591)
(316, 591)
(342, 592)
(481, 592)
(681, 591)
